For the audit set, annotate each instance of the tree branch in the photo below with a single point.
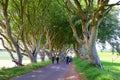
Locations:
(118, 3)
(80, 11)
(7, 49)
(7, 40)
(80, 41)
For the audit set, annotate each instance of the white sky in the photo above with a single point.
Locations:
(114, 1)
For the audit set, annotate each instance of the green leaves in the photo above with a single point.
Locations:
(109, 30)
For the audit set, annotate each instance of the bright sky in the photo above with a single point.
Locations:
(113, 1)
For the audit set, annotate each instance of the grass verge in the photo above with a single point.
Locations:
(7, 73)
(91, 72)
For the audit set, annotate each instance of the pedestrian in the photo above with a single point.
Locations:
(53, 59)
(67, 59)
(57, 59)
(70, 59)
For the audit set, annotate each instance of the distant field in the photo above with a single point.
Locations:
(109, 57)
(6, 61)
(4, 55)
(111, 62)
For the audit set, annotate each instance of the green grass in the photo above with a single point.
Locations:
(6, 74)
(111, 69)
(108, 56)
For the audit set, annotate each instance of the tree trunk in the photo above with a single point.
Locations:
(50, 53)
(33, 56)
(19, 54)
(91, 46)
(33, 59)
(83, 54)
(9, 34)
(42, 56)
(94, 58)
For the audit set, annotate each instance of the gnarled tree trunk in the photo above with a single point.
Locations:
(9, 34)
(90, 43)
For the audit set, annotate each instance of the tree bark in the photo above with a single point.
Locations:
(91, 47)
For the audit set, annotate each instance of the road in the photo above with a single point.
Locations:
(50, 72)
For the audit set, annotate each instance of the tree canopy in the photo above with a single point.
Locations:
(32, 27)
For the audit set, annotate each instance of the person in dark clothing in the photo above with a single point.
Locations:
(53, 59)
(57, 59)
(70, 59)
(67, 60)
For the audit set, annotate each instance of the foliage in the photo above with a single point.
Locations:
(29, 19)
(6, 74)
(59, 31)
(109, 30)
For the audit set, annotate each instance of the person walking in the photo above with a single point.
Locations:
(53, 59)
(67, 59)
(57, 59)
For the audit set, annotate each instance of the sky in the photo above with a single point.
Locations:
(111, 1)
(114, 1)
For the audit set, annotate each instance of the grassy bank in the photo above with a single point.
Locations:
(111, 68)
(6, 74)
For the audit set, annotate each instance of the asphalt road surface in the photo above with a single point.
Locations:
(50, 72)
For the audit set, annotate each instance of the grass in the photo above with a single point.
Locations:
(7, 73)
(111, 68)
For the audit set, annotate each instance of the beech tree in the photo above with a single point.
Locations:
(22, 26)
(90, 13)
(7, 28)
(30, 27)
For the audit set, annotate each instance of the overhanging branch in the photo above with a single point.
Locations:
(118, 3)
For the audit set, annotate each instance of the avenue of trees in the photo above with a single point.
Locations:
(49, 27)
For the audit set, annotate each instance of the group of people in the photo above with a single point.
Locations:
(55, 58)
(67, 59)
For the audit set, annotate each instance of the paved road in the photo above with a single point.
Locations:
(50, 72)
